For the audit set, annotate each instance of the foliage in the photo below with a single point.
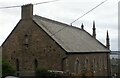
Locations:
(7, 68)
(45, 73)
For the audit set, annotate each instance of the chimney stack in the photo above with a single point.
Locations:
(27, 11)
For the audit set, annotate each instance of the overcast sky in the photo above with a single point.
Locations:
(66, 11)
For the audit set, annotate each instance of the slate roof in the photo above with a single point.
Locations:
(70, 38)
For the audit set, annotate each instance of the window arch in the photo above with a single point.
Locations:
(105, 67)
(26, 40)
(103, 63)
(100, 63)
(17, 66)
(67, 66)
(66, 62)
(94, 65)
(77, 66)
(86, 63)
(35, 63)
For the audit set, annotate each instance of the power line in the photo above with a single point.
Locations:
(55, 1)
(88, 12)
(80, 17)
(45, 2)
(10, 7)
(58, 31)
(33, 4)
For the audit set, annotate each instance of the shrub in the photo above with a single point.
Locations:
(7, 68)
(44, 73)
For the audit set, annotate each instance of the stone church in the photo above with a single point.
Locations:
(39, 42)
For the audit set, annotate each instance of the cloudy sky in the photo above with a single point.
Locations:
(66, 11)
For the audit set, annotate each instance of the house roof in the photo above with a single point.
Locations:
(72, 39)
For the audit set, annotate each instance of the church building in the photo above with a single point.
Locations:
(39, 42)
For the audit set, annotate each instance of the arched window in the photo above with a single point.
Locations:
(86, 64)
(100, 63)
(77, 66)
(105, 67)
(35, 64)
(26, 40)
(94, 65)
(17, 66)
(67, 66)
(66, 62)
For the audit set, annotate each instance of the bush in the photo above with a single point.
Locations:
(7, 69)
(44, 73)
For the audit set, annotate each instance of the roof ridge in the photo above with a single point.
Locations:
(44, 18)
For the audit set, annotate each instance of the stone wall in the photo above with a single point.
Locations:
(89, 64)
